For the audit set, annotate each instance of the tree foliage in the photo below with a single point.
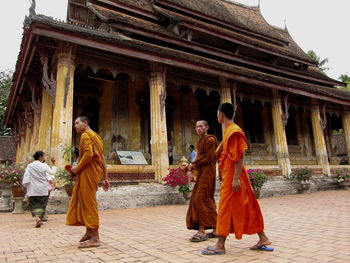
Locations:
(320, 62)
(346, 79)
(5, 86)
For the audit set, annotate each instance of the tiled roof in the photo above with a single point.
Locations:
(177, 54)
(7, 148)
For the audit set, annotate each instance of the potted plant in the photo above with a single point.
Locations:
(6, 188)
(64, 179)
(257, 180)
(12, 175)
(178, 178)
(62, 176)
(342, 178)
(302, 176)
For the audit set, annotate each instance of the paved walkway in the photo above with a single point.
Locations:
(304, 228)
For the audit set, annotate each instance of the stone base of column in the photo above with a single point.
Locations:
(286, 167)
(6, 194)
(18, 209)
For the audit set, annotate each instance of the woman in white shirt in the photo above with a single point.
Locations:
(36, 178)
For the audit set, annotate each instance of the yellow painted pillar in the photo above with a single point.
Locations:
(62, 120)
(44, 137)
(27, 154)
(346, 127)
(159, 140)
(19, 150)
(35, 134)
(225, 91)
(280, 137)
(320, 144)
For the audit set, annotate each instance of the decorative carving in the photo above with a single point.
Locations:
(285, 114)
(158, 74)
(67, 50)
(28, 114)
(234, 89)
(323, 118)
(32, 8)
(49, 84)
(35, 103)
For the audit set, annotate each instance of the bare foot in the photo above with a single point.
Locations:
(84, 238)
(263, 240)
(90, 243)
(215, 248)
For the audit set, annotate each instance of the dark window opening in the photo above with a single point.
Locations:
(252, 120)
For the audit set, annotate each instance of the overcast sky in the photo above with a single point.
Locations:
(321, 25)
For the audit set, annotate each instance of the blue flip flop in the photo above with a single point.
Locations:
(209, 252)
(262, 248)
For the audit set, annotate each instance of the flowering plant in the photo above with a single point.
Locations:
(341, 175)
(177, 177)
(62, 177)
(302, 175)
(11, 173)
(257, 178)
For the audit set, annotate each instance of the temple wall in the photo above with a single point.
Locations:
(134, 132)
(105, 123)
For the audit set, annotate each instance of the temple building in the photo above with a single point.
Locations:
(144, 71)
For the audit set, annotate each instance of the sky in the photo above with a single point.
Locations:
(320, 25)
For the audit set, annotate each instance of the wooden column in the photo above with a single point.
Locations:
(62, 119)
(159, 140)
(346, 127)
(225, 91)
(35, 134)
(27, 154)
(44, 137)
(320, 145)
(267, 130)
(280, 136)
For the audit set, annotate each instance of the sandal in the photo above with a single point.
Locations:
(212, 235)
(38, 223)
(198, 238)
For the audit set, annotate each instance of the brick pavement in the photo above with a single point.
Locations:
(304, 228)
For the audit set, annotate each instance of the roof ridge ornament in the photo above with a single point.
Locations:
(32, 8)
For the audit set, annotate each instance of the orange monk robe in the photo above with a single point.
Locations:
(202, 208)
(82, 209)
(238, 212)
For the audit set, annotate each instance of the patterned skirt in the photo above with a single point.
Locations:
(37, 205)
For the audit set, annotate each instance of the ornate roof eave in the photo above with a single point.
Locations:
(224, 23)
(201, 28)
(119, 44)
(24, 56)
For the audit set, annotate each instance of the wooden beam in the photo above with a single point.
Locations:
(148, 56)
(21, 66)
(222, 54)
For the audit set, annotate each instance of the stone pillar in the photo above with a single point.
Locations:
(159, 140)
(62, 119)
(320, 145)
(225, 91)
(280, 136)
(346, 127)
(44, 137)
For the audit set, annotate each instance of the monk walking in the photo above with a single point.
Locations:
(239, 211)
(201, 213)
(90, 170)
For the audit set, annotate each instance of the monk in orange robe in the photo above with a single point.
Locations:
(201, 213)
(90, 170)
(239, 211)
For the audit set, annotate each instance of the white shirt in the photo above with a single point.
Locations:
(36, 178)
